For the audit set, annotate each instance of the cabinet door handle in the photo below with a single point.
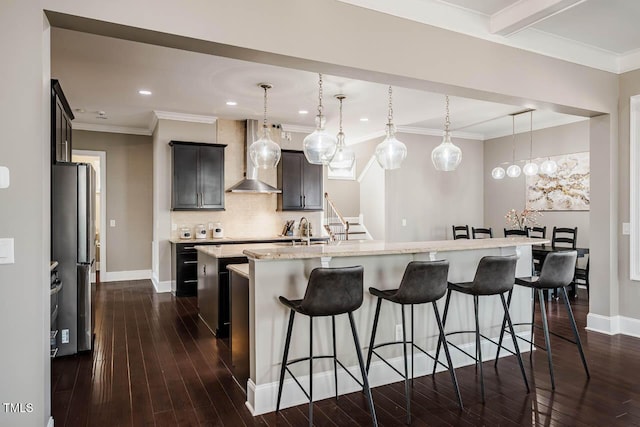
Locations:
(304, 201)
(190, 262)
(301, 201)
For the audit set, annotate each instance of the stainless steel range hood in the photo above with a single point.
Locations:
(251, 184)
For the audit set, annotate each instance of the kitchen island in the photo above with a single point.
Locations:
(283, 270)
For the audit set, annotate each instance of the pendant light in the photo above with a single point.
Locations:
(530, 168)
(446, 156)
(390, 153)
(548, 167)
(264, 152)
(344, 158)
(513, 171)
(498, 172)
(319, 147)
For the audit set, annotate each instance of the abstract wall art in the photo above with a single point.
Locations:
(565, 190)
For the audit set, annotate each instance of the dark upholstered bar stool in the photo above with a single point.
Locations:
(557, 273)
(495, 275)
(460, 232)
(423, 282)
(481, 233)
(330, 292)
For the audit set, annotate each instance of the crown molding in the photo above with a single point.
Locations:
(438, 132)
(296, 128)
(111, 129)
(184, 117)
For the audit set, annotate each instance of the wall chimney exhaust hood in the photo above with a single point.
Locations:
(251, 184)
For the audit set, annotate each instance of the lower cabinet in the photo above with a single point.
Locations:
(240, 367)
(184, 275)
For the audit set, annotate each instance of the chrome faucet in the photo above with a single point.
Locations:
(306, 230)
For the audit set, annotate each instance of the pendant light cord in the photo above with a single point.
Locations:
(513, 128)
(340, 99)
(264, 123)
(447, 123)
(531, 135)
(390, 117)
(320, 95)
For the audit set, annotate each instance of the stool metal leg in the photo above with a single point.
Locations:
(310, 370)
(411, 346)
(547, 341)
(442, 338)
(444, 322)
(284, 358)
(365, 380)
(575, 330)
(515, 341)
(373, 333)
(478, 349)
(406, 369)
(504, 325)
(533, 322)
(335, 357)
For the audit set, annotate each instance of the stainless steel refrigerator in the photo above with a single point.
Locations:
(73, 196)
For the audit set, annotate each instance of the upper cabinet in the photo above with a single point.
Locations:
(198, 176)
(300, 182)
(61, 116)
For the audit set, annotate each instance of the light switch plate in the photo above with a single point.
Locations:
(4, 177)
(626, 228)
(6, 251)
(112, 223)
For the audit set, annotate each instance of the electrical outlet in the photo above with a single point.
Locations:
(398, 332)
(174, 226)
(65, 336)
(112, 223)
(404, 222)
(626, 228)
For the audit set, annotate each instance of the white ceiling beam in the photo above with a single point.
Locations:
(526, 13)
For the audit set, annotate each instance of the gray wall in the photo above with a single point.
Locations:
(432, 201)
(510, 193)
(25, 375)
(629, 291)
(129, 166)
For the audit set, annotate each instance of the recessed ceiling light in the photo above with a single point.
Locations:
(303, 112)
(364, 119)
(144, 92)
(232, 103)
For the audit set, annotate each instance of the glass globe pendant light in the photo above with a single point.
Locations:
(390, 153)
(344, 157)
(446, 156)
(530, 168)
(319, 147)
(264, 152)
(498, 173)
(513, 171)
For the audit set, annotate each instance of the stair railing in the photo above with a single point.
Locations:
(335, 224)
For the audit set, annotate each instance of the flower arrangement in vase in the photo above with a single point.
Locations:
(522, 220)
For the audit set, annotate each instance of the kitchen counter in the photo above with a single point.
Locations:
(241, 269)
(232, 240)
(233, 250)
(347, 248)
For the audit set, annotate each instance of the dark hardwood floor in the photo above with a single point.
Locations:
(155, 363)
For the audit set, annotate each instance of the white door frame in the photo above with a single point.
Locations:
(103, 204)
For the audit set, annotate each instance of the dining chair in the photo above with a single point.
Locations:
(481, 233)
(516, 232)
(538, 232)
(460, 232)
(564, 237)
(581, 276)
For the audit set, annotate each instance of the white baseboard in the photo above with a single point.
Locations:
(160, 287)
(50, 423)
(261, 399)
(119, 276)
(613, 325)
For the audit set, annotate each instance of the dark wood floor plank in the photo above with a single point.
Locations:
(156, 364)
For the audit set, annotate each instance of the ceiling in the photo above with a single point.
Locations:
(102, 74)
(602, 34)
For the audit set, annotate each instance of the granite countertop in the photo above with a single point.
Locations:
(233, 251)
(376, 247)
(231, 240)
(241, 269)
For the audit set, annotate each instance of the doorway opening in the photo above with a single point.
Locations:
(98, 159)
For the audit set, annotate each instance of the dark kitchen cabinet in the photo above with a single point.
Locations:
(300, 182)
(61, 116)
(185, 273)
(198, 176)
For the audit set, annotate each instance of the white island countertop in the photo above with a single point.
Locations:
(347, 248)
(234, 250)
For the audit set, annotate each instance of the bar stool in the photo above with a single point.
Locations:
(423, 282)
(330, 292)
(494, 276)
(557, 273)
